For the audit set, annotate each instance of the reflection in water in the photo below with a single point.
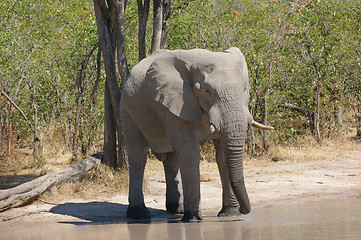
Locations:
(181, 231)
(334, 219)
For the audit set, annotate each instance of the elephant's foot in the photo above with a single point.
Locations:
(229, 211)
(174, 207)
(192, 217)
(138, 212)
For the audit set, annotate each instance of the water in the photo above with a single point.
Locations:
(330, 219)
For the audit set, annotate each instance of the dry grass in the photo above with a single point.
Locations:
(21, 159)
(100, 181)
(309, 150)
(54, 152)
(106, 182)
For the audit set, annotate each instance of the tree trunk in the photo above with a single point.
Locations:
(111, 32)
(265, 119)
(157, 24)
(10, 140)
(317, 116)
(143, 11)
(339, 121)
(2, 133)
(251, 143)
(109, 147)
(37, 145)
(122, 153)
(28, 191)
(165, 28)
(75, 147)
(123, 69)
(358, 123)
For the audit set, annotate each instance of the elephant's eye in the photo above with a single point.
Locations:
(207, 92)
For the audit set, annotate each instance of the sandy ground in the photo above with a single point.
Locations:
(268, 184)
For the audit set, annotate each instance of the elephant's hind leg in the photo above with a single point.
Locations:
(174, 203)
(137, 150)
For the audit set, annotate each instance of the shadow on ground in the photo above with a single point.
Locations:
(106, 212)
(10, 181)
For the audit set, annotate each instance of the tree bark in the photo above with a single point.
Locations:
(111, 32)
(165, 28)
(339, 121)
(157, 24)
(122, 63)
(37, 145)
(317, 116)
(2, 132)
(265, 119)
(253, 139)
(109, 147)
(10, 140)
(28, 191)
(358, 123)
(143, 12)
(161, 13)
(95, 87)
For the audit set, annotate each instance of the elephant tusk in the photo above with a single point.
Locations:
(261, 126)
(212, 128)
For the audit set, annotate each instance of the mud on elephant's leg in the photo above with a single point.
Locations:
(230, 205)
(174, 201)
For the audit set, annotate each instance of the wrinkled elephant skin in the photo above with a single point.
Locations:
(174, 100)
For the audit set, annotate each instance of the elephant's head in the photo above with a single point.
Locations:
(198, 82)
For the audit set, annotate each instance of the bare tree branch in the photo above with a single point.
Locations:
(14, 104)
(26, 192)
(95, 87)
(295, 108)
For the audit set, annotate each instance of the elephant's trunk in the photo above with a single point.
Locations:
(233, 140)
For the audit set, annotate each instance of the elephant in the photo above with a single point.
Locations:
(173, 101)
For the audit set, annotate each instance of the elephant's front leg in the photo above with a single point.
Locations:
(186, 148)
(188, 161)
(174, 203)
(230, 206)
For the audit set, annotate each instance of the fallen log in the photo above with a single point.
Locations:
(28, 191)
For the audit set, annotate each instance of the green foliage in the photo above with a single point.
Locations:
(297, 52)
(43, 45)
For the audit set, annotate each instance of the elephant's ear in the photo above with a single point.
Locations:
(169, 82)
(233, 50)
(239, 57)
(240, 60)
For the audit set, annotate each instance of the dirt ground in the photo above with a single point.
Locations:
(269, 183)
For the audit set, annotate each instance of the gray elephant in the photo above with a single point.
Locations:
(171, 102)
